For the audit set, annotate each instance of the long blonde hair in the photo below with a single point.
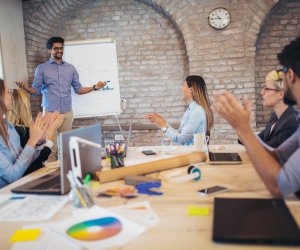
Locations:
(21, 110)
(3, 111)
(200, 96)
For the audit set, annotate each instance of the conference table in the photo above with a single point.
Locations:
(177, 229)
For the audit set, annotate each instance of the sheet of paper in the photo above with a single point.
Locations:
(6, 201)
(97, 228)
(48, 240)
(139, 212)
(33, 208)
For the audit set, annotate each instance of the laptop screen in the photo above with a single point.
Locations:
(89, 156)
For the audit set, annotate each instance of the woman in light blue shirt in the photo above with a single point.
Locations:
(13, 159)
(197, 118)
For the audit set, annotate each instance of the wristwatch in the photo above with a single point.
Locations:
(94, 87)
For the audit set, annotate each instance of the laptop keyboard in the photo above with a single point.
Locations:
(224, 157)
(52, 183)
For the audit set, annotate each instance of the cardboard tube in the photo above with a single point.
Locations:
(150, 167)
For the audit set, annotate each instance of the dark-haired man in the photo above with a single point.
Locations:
(279, 169)
(53, 80)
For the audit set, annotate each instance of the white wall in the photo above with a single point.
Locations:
(13, 42)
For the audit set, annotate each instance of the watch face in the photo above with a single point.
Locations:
(219, 18)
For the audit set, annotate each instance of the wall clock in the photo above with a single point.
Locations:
(219, 18)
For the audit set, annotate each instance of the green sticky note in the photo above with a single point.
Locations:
(26, 235)
(198, 211)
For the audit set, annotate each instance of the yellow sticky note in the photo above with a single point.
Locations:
(198, 211)
(25, 235)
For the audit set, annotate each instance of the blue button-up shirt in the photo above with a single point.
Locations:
(13, 159)
(193, 121)
(54, 82)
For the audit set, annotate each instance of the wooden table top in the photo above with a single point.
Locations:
(177, 230)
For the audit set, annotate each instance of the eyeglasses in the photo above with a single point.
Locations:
(10, 91)
(58, 48)
(269, 89)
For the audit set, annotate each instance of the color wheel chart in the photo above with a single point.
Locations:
(97, 229)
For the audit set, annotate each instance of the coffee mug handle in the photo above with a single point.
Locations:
(206, 139)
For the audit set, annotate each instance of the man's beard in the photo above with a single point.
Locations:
(58, 56)
(288, 98)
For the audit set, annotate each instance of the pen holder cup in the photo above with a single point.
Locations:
(117, 160)
(82, 198)
(75, 199)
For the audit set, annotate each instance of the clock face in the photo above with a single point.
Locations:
(219, 18)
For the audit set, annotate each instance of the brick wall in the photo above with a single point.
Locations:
(281, 26)
(158, 44)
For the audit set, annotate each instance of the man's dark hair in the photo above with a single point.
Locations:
(290, 56)
(53, 40)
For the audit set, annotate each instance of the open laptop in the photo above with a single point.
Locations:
(222, 158)
(56, 183)
(254, 221)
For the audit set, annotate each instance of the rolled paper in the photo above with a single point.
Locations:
(150, 167)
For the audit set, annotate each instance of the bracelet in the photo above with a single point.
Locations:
(94, 87)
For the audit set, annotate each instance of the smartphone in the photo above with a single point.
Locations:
(212, 190)
(148, 152)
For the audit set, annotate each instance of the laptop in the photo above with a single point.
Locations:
(254, 221)
(56, 183)
(221, 158)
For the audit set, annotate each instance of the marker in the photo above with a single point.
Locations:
(87, 179)
(106, 81)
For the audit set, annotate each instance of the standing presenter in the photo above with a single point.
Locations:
(53, 80)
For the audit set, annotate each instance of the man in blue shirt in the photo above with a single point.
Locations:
(53, 80)
(279, 169)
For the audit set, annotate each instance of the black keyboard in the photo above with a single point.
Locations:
(52, 183)
(224, 157)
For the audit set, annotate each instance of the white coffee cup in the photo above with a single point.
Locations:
(199, 141)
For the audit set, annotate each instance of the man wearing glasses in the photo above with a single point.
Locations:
(279, 169)
(53, 80)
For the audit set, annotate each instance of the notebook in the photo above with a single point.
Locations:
(56, 183)
(254, 221)
(221, 158)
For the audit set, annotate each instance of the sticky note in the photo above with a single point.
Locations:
(25, 235)
(198, 211)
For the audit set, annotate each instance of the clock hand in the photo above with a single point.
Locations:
(215, 18)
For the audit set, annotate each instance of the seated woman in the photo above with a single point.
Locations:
(20, 116)
(13, 159)
(284, 119)
(197, 118)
